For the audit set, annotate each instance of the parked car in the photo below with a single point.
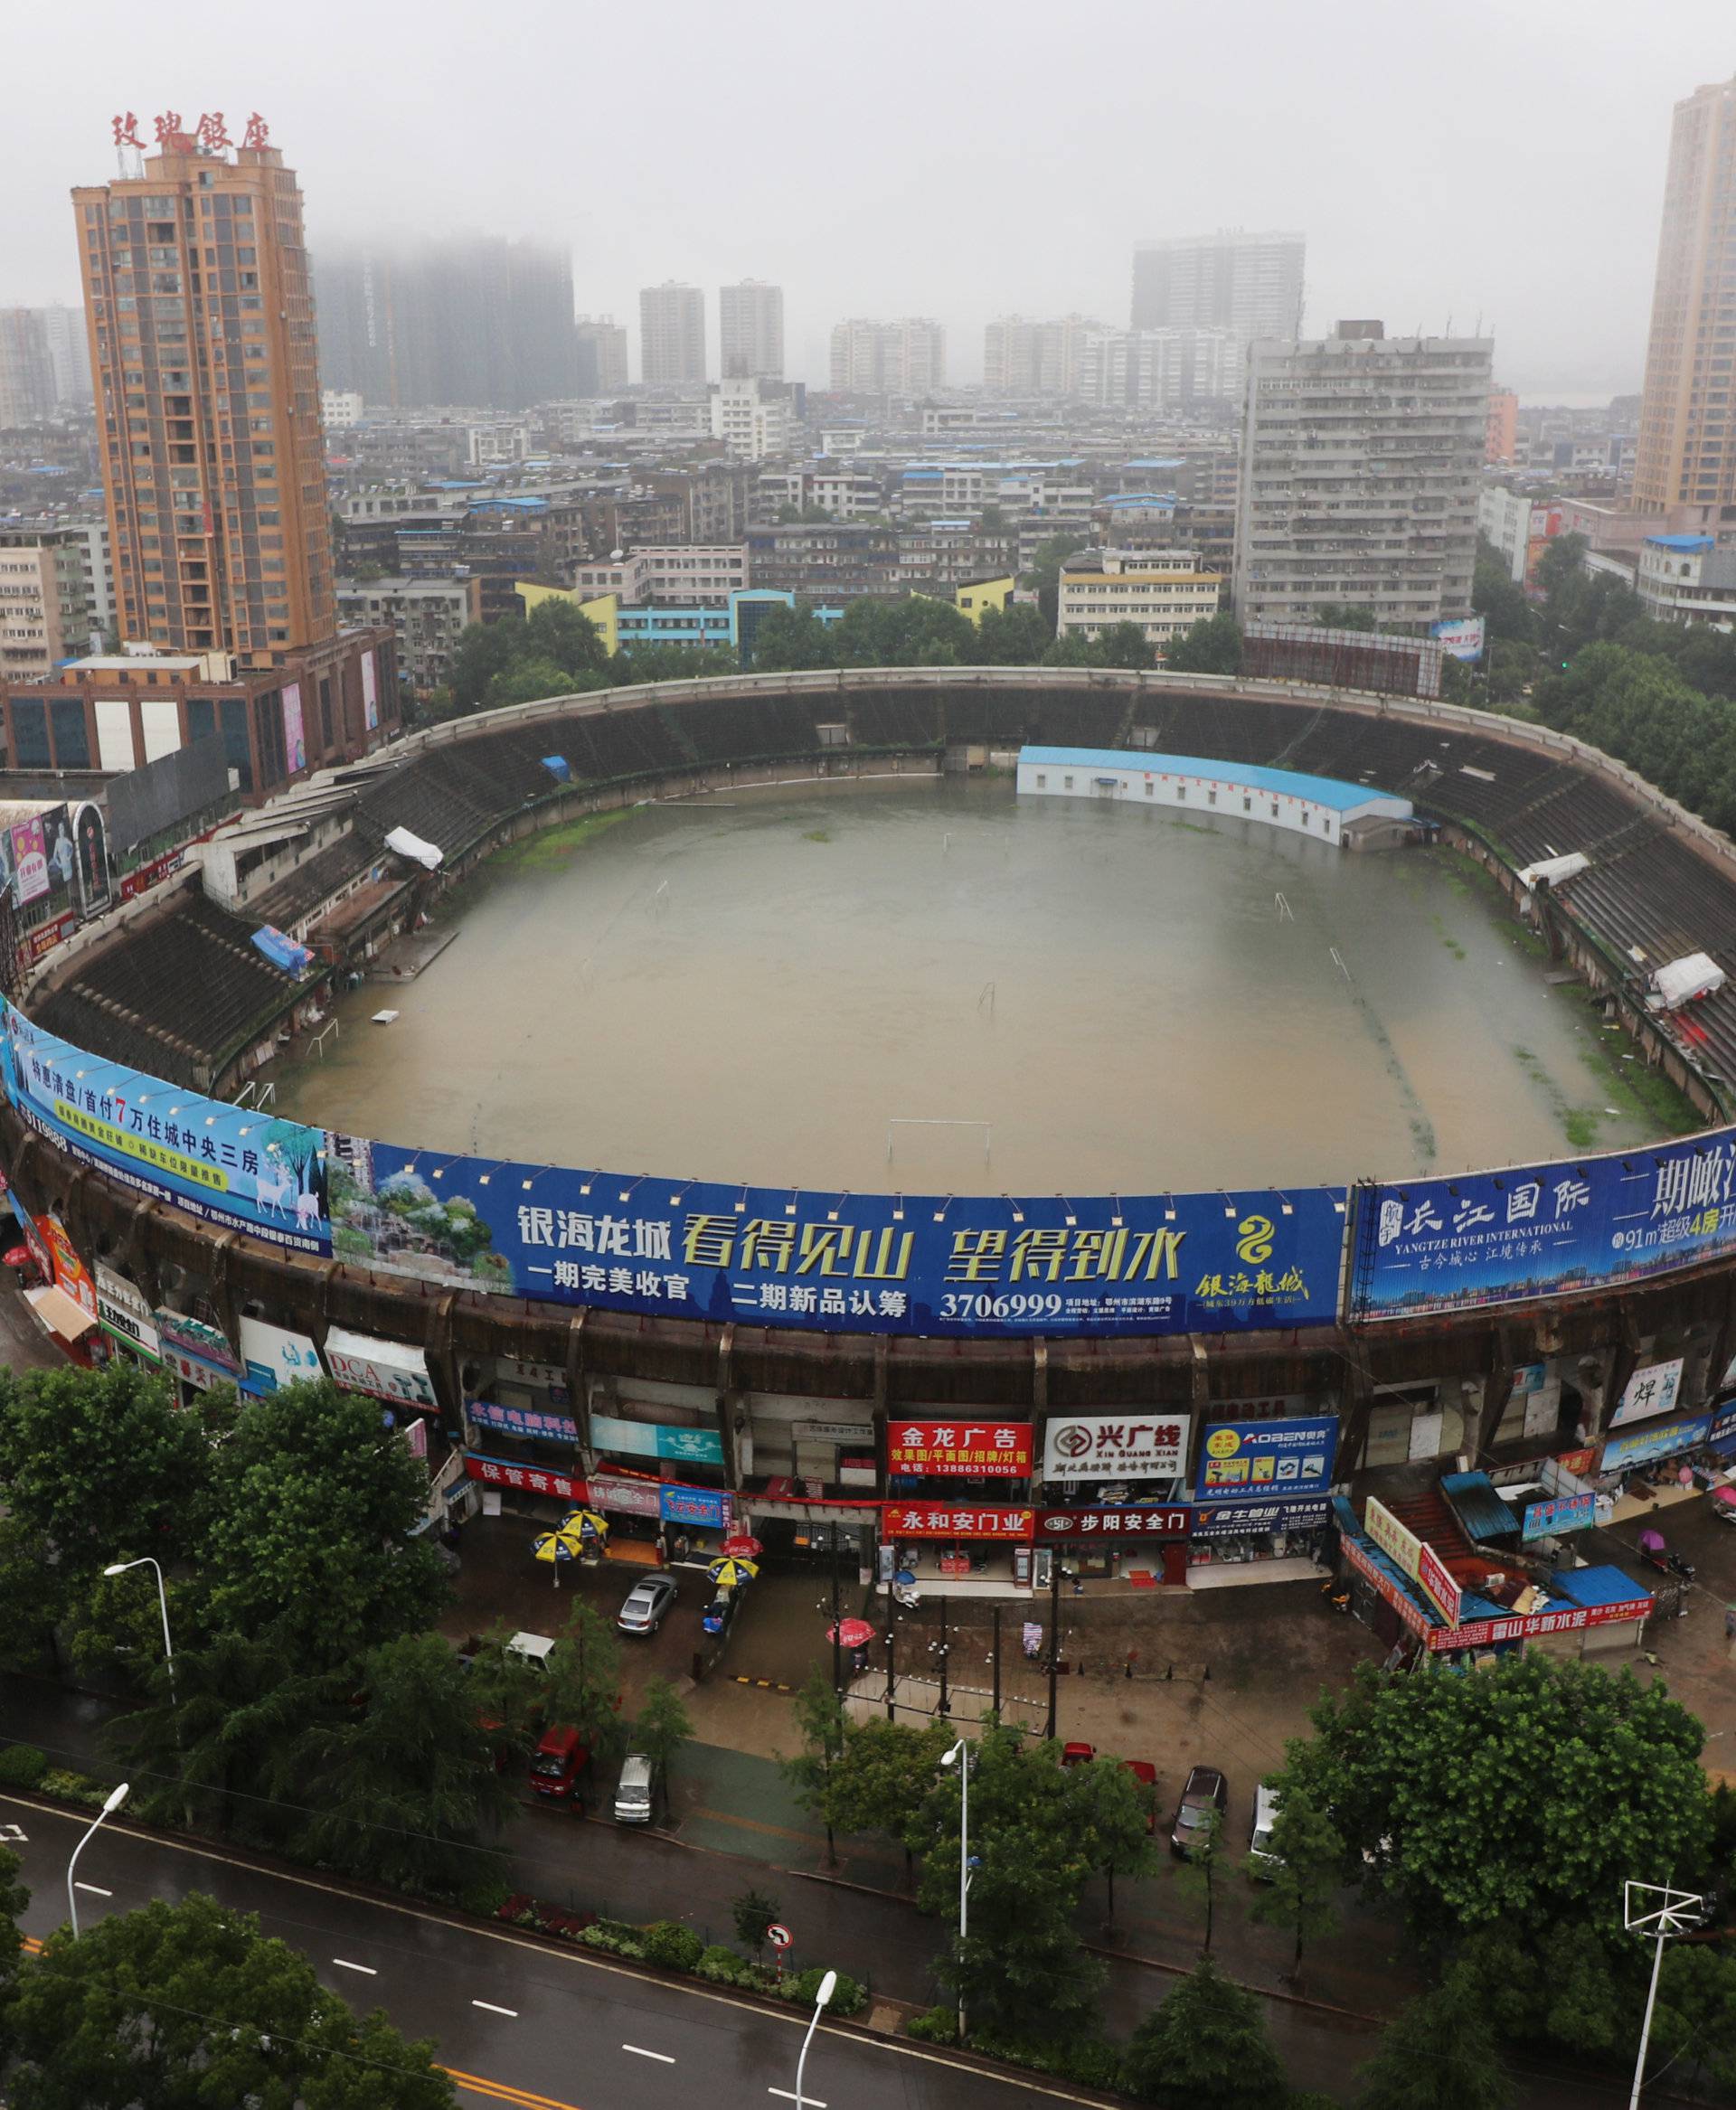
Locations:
(1078, 1753)
(557, 1766)
(1145, 1773)
(533, 1649)
(1204, 1793)
(1263, 1862)
(637, 1790)
(647, 1602)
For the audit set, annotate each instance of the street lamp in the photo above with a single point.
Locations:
(120, 1568)
(108, 1810)
(822, 1999)
(1654, 1908)
(960, 1755)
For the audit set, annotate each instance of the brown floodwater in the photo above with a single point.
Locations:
(782, 989)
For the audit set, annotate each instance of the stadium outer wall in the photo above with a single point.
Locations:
(1470, 1361)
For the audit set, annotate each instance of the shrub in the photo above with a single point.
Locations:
(610, 1936)
(674, 1947)
(723, 1967)
(1089, 2060)
(938, 2026)
(73, 1787)
(848, 1997)
(22, 1766)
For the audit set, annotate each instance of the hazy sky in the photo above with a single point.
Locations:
(1446, 158)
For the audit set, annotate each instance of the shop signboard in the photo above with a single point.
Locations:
(1253, 1460)
(1562, 1514)
(1168, 1521)
(38, 942)
(948, 1266)
(1723, 1424)
(1446, 1245)
(1528, 1626)
(968, 1450)
(126, 1314)
(384, 1370)
(941, 1519)
(195, 1351)
(1660, 1441)
(146, 876)
(275, 1356)
(859, 1435)
(1248, 1520)
(626, 1497)
(707, 1508)
(29, 861)
(69, 1272)
(228, 1165)
(1440, 1587)
(1399, 1598)
(651, 1439)
(1392, 1538)
(1151, 1445)
(1649, 1392)
(526, 1421)
(533, 1479)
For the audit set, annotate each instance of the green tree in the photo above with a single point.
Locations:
(506, 1689)
(189, 2007)
(792, 641)
(1126, 644)
(1499, 600)
(1014, 636)
(483, 651)
(1045, 575)
(821, 1722)
(1576, 1776)
(314, 1502)
(1439, 2053)
(752, 1914)
(1020, 1973)
(1694, 2022)
(669, 663)
(913, 632)
(398, 1781)
(663, 1730)
(561, 632)
(883, 1777)
(1206, 2047)
(1212, 645)
(1110, 1809)
(583, 1690)
(1300, 1893)
(528, 680)
(13, 1897)
(1344, 615)
(1201, 1862)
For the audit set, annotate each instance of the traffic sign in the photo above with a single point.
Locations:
(778, 1936)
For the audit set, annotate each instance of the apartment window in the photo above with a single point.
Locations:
(30, 736)
(1067, 784)
(1042, 781)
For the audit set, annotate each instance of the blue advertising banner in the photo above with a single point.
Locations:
(1633, 1446)
(647, 1440)
(1535, 1231)
(1249, 1520)
(1567, 1513)
(229, 1165)
(904, 1264)
(707, 1508)
(529, 1421)
(1253, 1460)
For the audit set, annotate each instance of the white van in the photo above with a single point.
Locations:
(633, 1796)
(1262, 1861)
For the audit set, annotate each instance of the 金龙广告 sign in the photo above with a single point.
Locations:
(966, 1450)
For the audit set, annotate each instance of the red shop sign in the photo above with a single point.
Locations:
(942, 1520)
(533, 1479)
(1111, 1523)
(969, 1450)
(1523, 1625)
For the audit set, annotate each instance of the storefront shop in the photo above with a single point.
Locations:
(384, 1369)
(960, 1547)
(1093, 1460)
(1277, 1540)
(1144, 1542)
(127, 1319)
(197, 1355)
(1261, 1494)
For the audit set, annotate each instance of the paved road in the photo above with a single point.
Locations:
(514, 2020)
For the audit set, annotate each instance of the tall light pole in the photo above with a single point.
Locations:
(822, 1999)
(121, 1568)
(108, 1810)
(1653, 1908)
(959, 1755)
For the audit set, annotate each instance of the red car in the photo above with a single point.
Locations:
(558, 1765)
(1145, 1773)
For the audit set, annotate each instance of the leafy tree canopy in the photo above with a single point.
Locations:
(1206, 2049)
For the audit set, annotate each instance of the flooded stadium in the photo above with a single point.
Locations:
(946, 989)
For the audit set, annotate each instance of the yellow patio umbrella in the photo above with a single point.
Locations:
(558, 1546)
(586, 1522)
(726, 1574)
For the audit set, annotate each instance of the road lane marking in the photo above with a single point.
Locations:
(475, 2083)
(512, 2013)
(639, 2051)
(343, 1963)
(95, 1889)
(789, 2095)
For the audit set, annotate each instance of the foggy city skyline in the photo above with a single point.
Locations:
(1442, 168)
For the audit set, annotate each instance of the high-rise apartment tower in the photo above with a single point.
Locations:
(202, 350)
(671, 333)
(750, 331)
(1687, 442)
(1248, 283)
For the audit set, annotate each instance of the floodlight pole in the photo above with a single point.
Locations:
(1645, 2027)
(1673, 1915)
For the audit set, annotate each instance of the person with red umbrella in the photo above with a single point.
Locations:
(742, 1545)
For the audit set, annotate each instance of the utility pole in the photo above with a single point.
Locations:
(945, 1706)
(1654, 1909)
(995, 1614)
(1054, 1636)
(837, 1646)
(891, 1710)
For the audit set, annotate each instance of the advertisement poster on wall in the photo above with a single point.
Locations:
(881, 1263)
(1149, 1445)
(1425, 1246)
(369, 692)
(126, 1314)
(29, 862)
(1254, 1460)
(274, 1356)
(59, 851)
(647, 1440)
(227, 1164)
(90, 850)
(966, 1450)
(294, 737)
(1649, 1392)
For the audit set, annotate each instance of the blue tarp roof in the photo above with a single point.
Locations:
(1479, 1506)
(1602, 1585)
(1326, 791)
(1473, 1605)
(1681, 541)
